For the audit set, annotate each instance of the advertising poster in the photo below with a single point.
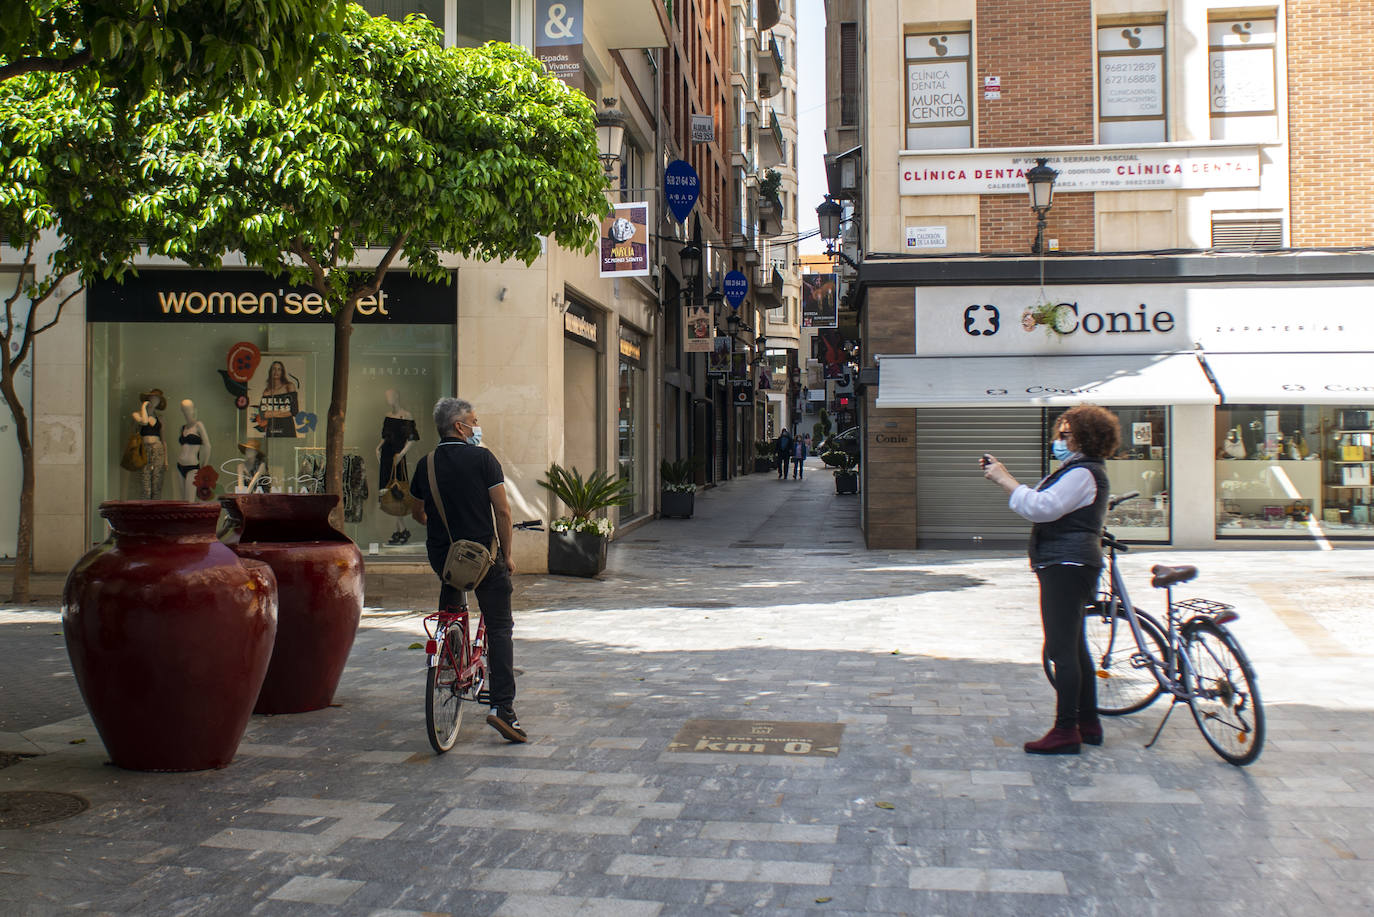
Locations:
(820, 304)
(625, 241)
(830, 350)
(277, 397)
(696, 335)
(719, 364)
(558, 39)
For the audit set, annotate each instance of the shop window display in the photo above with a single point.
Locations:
(1141, 463)
(248, 402)
(1294, 470)
(631, 421)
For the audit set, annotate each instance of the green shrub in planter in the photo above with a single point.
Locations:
(846, 478)
(678, 494)
(577, 542)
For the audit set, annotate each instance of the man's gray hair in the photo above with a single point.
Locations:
(447, 412)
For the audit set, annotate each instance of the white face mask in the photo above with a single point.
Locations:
(476, 438)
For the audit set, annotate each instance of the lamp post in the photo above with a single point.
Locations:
(610, 136)
(1040, 187)
(828, 217)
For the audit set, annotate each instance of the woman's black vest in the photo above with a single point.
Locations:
(1077, 536)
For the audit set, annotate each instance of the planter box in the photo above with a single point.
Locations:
(680, 505)
(763, 464)
(576, 553)
(846, 482)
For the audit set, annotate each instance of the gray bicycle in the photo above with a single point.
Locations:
(1192, 656)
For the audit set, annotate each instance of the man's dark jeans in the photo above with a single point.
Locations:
(493, 598)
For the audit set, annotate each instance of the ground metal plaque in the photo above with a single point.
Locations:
(759, 737)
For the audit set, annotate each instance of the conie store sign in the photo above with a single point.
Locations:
(1102, 169)
(1142, 318)
(192, 297)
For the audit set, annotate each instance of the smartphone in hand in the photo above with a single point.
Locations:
(987, 459)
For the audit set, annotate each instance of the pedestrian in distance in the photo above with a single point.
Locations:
(783, 452)
(798, 458)
(1067, 510)
(473, 489)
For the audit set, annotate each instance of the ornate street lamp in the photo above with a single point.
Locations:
(828, 216)
(610, 136)
(1040, 187)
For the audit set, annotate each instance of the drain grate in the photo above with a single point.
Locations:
(26, 808)
(703, 604)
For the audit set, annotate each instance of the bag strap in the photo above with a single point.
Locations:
(438, 497)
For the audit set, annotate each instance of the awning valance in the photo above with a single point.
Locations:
(1293, 378)
(907, 381)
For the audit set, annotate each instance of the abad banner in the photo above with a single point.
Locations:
(558, 39)
(625, 241)
(1083, 170)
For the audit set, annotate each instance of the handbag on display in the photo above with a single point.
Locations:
(134, 457)
(1355, 475)
(396, 499)
(467, 562)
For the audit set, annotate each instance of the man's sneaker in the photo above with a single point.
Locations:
(504, 722)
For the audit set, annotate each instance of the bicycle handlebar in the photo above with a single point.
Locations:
(532, 525)
(1114, 502)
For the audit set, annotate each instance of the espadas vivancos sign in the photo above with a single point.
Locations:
(190, 297)
(1082, 169)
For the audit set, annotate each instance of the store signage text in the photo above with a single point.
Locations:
(892, 438)
(1112, 169)
(578, 326)
(983, 319)
(226, 302)
(629, 349)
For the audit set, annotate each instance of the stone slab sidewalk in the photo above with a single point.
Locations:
(762, 608)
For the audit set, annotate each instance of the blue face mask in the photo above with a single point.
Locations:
(1060, 450)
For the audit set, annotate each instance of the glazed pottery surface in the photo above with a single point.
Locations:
(169, 635)
(319, 573)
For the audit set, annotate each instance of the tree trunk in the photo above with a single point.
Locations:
(23, 555)
(338, 406)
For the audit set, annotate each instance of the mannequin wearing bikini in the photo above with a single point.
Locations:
(194, 449)
(150, 429)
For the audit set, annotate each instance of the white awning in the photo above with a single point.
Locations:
(974, 382)
(1293, 378)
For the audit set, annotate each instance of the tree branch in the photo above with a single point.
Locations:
(316, 269)
(45, 65)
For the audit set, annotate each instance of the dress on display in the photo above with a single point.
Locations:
(396, 432)
(354, 488)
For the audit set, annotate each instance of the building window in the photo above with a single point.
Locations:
(481, 21)
(632, 182)
(1130, 83)
(433, 10)
(939, 110)
(849, 73)
(1241, 78)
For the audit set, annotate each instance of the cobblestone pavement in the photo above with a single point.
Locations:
(764, 607)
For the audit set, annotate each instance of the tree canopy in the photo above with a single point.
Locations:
(146, 44)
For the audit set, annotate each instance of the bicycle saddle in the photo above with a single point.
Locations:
(1168, 576)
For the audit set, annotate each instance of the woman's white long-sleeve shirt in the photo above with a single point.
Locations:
(1075, 489)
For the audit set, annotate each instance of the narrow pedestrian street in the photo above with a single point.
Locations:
(871, 762)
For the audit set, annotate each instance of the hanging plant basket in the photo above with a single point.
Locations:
(1057, 318)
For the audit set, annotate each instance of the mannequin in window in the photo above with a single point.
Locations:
(398, 432)
(253, 472)
(150, 428)
(194, 450)
(280, 402)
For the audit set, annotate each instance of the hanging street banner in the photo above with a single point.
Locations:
(735, 286)
(558, 39)
(1109, 169)
(719, 362)
(682, 187)
(820, 304)
(696, 335)
(625, 241)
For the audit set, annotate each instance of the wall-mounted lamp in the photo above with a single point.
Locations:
(828, 216)
(1040, 187)
(610, 136)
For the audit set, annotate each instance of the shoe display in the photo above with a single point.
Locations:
(504, 722)
(1055, 742)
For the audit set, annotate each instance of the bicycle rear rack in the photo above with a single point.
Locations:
(1219, 612)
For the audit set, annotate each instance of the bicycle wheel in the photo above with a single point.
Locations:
(1222, 693)
(1121, 687)
(443, 703)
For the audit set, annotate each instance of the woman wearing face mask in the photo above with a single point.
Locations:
(1068, 509)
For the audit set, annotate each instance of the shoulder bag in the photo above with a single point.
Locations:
(467, 561)
(134, 457)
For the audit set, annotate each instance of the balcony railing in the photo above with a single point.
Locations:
(770, 68)
(772, 148)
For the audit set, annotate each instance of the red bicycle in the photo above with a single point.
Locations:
(457, 671)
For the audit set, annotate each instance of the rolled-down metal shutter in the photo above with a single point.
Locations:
(954, 502)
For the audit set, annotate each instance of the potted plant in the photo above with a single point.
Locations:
(678, 493)
(1056, 318)
(577, 541)
(763, 455)
(844, 463)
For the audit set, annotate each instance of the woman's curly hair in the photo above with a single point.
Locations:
(1095, 429)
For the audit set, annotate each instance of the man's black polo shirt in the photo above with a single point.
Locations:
(466, 474)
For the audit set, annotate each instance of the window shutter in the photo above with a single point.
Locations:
(849, 73)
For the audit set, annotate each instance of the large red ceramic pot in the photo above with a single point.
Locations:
(169, 635)
(320, 586)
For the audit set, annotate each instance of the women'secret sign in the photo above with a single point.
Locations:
(1083, 170)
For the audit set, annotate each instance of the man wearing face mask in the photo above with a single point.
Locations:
(1068, 508)
(473, 489)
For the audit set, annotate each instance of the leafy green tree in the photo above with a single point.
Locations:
(416, 148)
(143, 44)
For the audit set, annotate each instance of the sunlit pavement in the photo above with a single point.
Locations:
(763, 609)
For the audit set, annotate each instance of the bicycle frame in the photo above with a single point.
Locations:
(459, 621)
